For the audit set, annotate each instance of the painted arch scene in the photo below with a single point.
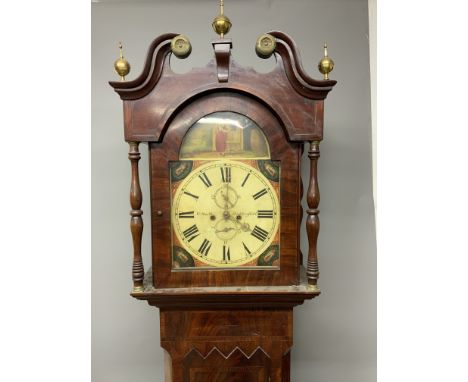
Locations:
(225, 134)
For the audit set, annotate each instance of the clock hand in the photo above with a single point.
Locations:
(205, 213)
(227, 229)
(226, 198)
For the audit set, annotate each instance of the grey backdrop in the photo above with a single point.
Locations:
(335, 334)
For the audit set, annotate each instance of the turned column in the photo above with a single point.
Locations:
(136, 222)
(301, 209)
(313, 222)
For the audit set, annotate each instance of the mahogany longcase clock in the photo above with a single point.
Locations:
(225, 146)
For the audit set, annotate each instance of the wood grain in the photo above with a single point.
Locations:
(158, 93)
(218, 345)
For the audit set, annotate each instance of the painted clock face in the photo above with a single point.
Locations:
(225, 213)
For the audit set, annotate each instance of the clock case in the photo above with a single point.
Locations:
(225, 325)
(159, 108)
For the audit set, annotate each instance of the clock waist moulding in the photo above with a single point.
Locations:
(226, 262)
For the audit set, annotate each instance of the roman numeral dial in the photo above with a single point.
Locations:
(259, 233)
(259, 194)
(225, 213)
(265, 214)
(187, 215)
(226, 174)
(205, 247)
(226, 254)
(206, 181)
(191, 233)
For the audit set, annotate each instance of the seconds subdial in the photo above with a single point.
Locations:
(225, 196)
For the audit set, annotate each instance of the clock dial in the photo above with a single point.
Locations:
(225, 213)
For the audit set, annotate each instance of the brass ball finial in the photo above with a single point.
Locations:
(121, 65)
(180, 46)
(265, 46)
(326, 64)
(221, 23)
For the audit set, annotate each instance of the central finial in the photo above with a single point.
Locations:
(221, 23)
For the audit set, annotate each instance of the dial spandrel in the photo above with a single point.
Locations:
(225, 213)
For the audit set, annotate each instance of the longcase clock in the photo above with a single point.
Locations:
(225, 147)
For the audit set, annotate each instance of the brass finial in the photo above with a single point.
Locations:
(221, 23)
(180, 46)
(326, 64)
(265, 46)
(121, 65)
